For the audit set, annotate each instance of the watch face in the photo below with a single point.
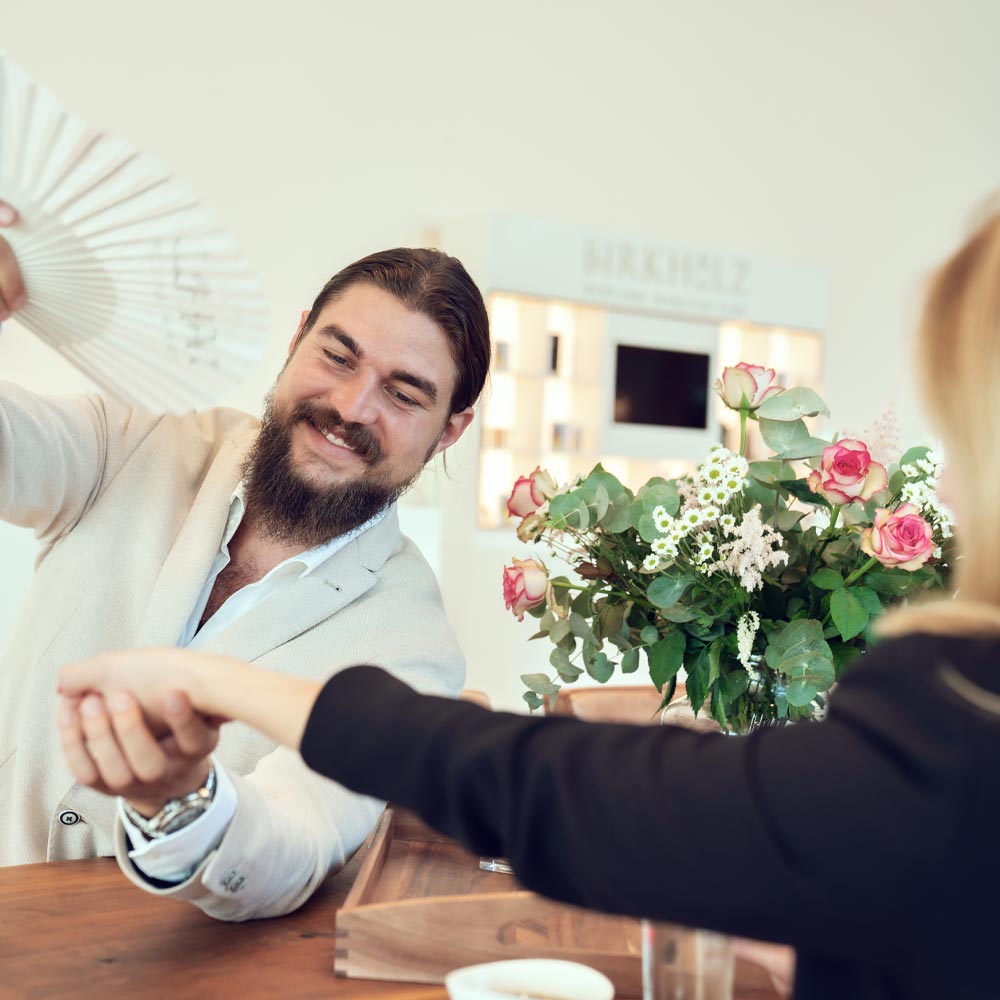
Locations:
(185, 818)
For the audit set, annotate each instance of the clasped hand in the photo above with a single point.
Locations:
(128, 727)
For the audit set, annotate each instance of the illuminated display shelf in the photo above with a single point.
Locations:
(552, 395)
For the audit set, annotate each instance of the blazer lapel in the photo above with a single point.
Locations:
(297, 607)
(189, 560)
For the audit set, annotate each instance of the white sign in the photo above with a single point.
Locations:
(552, 260)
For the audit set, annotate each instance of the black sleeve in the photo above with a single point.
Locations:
(745, 835)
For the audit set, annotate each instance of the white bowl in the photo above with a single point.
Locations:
(529, 978)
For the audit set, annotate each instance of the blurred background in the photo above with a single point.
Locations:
(820, 158)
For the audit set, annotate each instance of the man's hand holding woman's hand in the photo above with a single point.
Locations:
(12, 292)
(110, 747)
(130, 724)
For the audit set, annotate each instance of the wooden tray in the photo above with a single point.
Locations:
(421, 906)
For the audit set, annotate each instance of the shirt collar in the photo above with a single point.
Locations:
(311, 558)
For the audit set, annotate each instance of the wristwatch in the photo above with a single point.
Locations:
(177, 813)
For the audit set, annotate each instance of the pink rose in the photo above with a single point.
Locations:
(900, 538)
(524, 586)
(745, 387)
(530, 492)
(847, 473)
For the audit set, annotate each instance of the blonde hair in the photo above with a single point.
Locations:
(958, 355)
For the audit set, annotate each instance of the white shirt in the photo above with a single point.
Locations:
(175, 857)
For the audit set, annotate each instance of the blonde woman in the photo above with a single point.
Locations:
(867, 841)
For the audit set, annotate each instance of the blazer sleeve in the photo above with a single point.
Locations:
(292, 826)
(56, 455)
(744, 835)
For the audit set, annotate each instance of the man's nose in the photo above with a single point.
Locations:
(357, 401)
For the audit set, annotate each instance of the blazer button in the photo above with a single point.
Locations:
(70, 818)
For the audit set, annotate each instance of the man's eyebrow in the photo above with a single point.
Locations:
(425, 385)
(339, 333)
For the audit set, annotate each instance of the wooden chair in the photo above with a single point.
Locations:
(476, 697)
(636, 704)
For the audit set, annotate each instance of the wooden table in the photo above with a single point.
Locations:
(79, 929)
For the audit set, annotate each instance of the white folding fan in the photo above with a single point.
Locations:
(127, 276)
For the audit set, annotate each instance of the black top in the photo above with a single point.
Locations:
(866, 841)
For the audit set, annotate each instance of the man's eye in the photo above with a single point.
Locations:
(401, 397)
(337, 359)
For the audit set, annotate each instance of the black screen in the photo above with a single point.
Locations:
(661, 388)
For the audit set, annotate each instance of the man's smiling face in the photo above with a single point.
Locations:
(362, 403)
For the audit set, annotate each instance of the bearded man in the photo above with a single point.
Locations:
(274, 541)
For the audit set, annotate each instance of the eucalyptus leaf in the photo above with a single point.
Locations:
(567, 670)
(559, 630)
(679, 613)
(600, 667)
(649, 635)
(660, 493)
(599, 476)
(787, 520)
(618, 517)
(630, 661)
(533, 700)
(790, 439)
(610, 618)
(792, 404)
(539, 683)
(580, 627)
(769, 472)
(800, 652)
(667, 590)
(600, 503)
(647, 529)
(569, 510)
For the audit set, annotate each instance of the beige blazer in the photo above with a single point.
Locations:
(129, 509)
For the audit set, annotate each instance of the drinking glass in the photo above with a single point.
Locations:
(681, 963)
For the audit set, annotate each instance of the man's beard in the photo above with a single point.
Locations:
(289, 508)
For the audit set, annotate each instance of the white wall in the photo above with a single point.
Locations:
(854, 135)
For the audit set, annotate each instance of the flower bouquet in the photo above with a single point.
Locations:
(762, 579)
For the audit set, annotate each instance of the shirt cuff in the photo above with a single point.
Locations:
(175, 857)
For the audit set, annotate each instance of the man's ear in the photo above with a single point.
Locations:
(298, 332)
(454, 429)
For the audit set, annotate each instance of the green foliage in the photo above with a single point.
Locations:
(665, 658)
(793, 404)
(815, 606)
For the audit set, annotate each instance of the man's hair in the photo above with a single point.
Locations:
(438, 286)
